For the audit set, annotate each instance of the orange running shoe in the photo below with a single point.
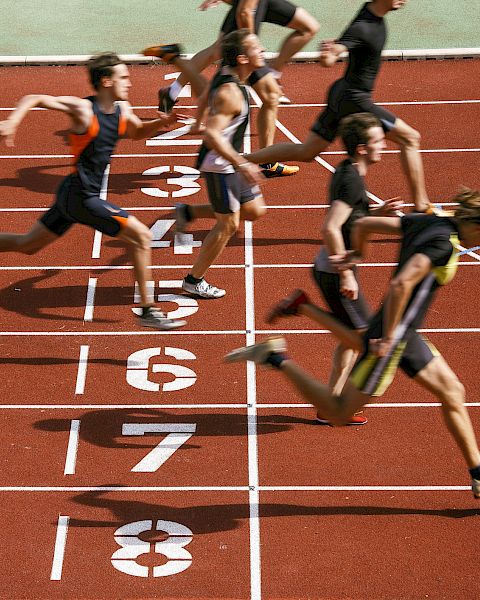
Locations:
(279, 170)
(357, 419)
(167, 52)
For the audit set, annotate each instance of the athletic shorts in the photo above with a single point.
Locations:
(278, 12)
(343, 101)
(372, 375)
(228, 191)
(355, 314)
(74, 205)
(258, 74)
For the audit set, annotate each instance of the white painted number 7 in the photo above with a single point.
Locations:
(177, 434)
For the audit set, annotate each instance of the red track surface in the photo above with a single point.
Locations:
(314, 539)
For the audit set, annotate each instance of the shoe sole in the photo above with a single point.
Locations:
(196, 295)
(350, 424)
(244, 354)
(276, 313)
(174, 325)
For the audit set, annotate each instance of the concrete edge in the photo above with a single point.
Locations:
(80, 59)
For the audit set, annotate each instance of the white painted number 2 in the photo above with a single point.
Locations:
(173, 548)
(177, 434)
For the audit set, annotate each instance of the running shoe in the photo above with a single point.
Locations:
(288, 306)
(476, 488)
(357, 419)
(279, 170)
(165, 102)
(203, 289)
(181, 220)
(284, 99)
(158, 320)
(167, 52)
(258, 353)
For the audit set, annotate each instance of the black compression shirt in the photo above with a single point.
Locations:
(365, 38)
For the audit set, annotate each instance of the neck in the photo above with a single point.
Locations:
(376, 9)
(240, 72)
(105, 101)
(360, 164)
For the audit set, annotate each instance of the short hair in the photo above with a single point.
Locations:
(469, 205)
(101, 65)
(354, 130)
(233, 46)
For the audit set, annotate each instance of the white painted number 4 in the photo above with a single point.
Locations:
(183, 243)
(173, 548)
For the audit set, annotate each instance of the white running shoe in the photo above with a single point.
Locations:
(203, 289)
(476, 488)
(158, 320)
(181, 220)
(284, 99)
(258, 352)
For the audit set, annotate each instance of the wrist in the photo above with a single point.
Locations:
(243, 165)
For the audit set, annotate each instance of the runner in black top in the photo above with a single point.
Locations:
(250, 14)
(364, 40)
(364, 140)
(428, 259)
(97, 122)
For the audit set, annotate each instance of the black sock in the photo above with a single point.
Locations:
(475, 473)
(193, 280)
(267, 165)
(275, 359)
(145, 310)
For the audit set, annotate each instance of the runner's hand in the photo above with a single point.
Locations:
(169, 119)
(348, 285)
(390, 207)
(197, 128)
(252, 173)
(8, 129)
(344, 262)
(381, 346)
(206, 4)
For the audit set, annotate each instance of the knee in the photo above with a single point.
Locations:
(26, 246)
(310, 28)
(412, 139)
(252, 214)
(271, 99)
(453, 393)
(141, 236)
(227, 228)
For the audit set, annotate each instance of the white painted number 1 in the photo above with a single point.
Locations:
(173, 548)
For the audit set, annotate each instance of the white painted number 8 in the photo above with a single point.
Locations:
(172, 548)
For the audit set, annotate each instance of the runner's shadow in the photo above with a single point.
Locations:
(103, 428)
(206, 519)
(38, 179)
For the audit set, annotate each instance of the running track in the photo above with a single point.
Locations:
(249, 498)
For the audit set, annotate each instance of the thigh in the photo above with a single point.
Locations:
(263, 81)
(352, 313)
(437, 376)
(363, 103)
(230, 22)
(98, 214)
(400, 132)
(227, 192)
(419, 352)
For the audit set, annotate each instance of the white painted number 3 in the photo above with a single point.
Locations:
(173, 548)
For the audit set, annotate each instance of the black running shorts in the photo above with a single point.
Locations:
(278, 12)
(228, 191)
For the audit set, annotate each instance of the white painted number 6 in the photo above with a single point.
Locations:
(173, 548)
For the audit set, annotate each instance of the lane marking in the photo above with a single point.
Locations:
(209, 332)
(253, 494)
(215, 406)
(59, 551)
(90, 302)
(193, 154)
(71, 458)
(97, 244)
(261, 488)
(82, 370)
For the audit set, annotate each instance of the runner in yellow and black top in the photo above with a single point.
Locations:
(428, 259)
(97, 122)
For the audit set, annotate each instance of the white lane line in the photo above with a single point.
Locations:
(82, 370)
(253, 494)
(209, 332)
(60, 544)
(261, 488)
(97, 244)
(71, 458)
(190, 155)
(210, 406)
(90, 302)
(124, 488)
(306, 105)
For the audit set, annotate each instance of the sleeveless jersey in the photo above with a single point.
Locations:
(209, 160)
(92, 150)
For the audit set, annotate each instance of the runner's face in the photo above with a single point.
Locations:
(375, 145)
(254, 51)
(120, 82)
